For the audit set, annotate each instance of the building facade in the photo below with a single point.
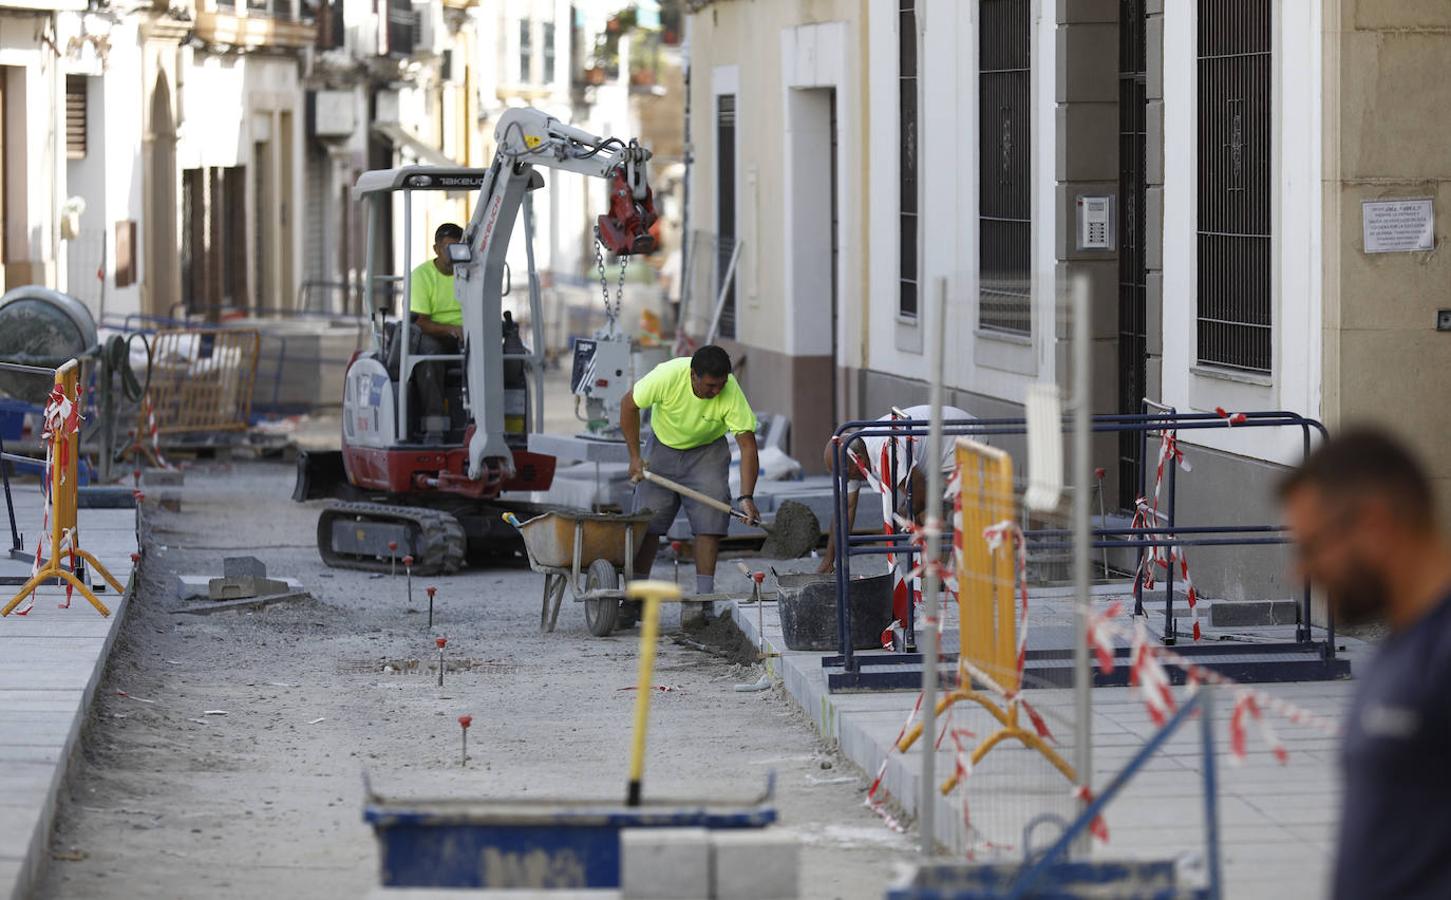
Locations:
(947, 152)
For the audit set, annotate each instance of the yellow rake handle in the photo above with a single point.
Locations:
(651, 593)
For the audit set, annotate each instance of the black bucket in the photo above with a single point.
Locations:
(807, 604)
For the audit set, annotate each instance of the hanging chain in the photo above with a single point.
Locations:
(612, 308)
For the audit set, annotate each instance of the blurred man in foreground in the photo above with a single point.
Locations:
(1364, 523)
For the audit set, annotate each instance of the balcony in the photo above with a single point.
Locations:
(260, 24)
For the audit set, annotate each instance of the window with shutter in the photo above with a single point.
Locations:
(75, 116)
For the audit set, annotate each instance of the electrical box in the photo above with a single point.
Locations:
(602, 373)
(1096, 223)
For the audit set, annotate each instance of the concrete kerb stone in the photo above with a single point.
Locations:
(242, 587)
(198, 587)
(163, 477)
(206, 608)
(755, 864)
(665, 864)
(243, 567)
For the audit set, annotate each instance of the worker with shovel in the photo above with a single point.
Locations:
(693, 403)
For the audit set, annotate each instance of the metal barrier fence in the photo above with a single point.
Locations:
(294, 375)
(903, 434)
(202, 379)
(61, 483)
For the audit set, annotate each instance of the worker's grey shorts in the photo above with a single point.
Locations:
(705, 468)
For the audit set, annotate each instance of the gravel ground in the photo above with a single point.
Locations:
(242, 775)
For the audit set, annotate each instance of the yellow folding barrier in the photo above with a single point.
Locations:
(61, 495)
(987, 613)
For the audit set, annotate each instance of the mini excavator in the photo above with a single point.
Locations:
(401, 486)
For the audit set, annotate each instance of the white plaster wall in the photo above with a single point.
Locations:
(1295, 382)
(122, 131)
(816, 56)
(988, 364)
(35, 121)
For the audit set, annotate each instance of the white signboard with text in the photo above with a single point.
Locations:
(1400, 225)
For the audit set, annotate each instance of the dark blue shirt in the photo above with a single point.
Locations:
(1395, 829)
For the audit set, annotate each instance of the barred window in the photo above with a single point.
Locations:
(1234, 326)
(1005, 169)
(909, 155)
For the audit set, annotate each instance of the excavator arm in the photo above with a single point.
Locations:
(527, 140)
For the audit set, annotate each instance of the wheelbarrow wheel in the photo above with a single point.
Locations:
(601, 615)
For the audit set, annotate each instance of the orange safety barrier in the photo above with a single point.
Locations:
(990, 663)
(60, 483)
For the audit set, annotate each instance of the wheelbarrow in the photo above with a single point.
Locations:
(585, 553)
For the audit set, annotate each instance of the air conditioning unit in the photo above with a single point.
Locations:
(432, 34)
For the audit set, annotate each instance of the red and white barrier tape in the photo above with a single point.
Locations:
(1147, 661)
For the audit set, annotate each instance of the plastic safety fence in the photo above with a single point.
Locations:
(202, 379)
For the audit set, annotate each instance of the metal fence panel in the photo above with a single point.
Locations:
(202, 379)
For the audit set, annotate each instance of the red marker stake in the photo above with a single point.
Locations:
(440, 641)
(392, 558)
(464, 722)
(431, 591)
(408, 572)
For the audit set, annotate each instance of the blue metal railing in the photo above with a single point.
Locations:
(906, 432)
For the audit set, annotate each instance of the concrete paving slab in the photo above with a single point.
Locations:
(1271, 842)
(50, 663)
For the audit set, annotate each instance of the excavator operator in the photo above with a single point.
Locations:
(440, 321)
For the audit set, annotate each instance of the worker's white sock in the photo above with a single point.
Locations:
(704, 584)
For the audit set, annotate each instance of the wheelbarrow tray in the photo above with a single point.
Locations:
(549, 538)
(544, 844)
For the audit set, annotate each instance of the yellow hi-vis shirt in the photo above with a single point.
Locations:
(431, 294)
(682, 420)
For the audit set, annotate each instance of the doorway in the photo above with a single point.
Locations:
(813, 224)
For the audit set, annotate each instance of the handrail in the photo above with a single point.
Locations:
(1141, 539)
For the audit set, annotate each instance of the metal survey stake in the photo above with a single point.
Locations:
(464, 722)
(392, 558)
(440, 641)
(675, 548)
(408, 573)
(431, 591)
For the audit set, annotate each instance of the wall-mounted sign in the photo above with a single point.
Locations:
(1400, 225)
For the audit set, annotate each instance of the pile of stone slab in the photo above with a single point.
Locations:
(243, 584)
